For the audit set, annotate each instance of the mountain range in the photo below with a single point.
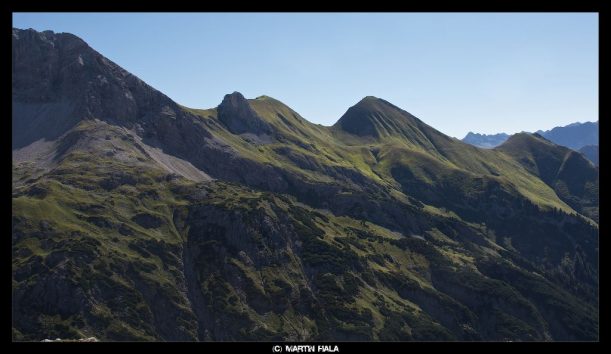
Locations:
(136, 219)
(576, 136)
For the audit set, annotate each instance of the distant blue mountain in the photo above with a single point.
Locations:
(485, 141)
(574, 136)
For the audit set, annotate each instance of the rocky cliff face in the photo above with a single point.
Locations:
(58, 80)
(235, 112)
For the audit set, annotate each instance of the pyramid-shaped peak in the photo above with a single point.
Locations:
(375, 117)
(370, 99)
(373, 102)
(525, 141)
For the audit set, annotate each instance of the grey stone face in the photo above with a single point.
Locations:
(237, 115)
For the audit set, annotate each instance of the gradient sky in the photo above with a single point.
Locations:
(458, 72)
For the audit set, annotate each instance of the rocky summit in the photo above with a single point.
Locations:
(138, 219)
(235, 112)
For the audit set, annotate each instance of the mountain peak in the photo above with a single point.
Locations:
(370, 99)
(73, 82)
(375, 117)
(234, 99)
(67, 41)
(374, 102)
(524, 141)
(235, 95)
(264, 97)
(550, 162)
(239, 117)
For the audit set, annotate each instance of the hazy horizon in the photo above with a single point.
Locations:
(487, 73)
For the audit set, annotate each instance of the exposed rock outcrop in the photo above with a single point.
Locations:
(235, 112)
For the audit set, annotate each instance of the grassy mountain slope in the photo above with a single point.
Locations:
(573, 177)
(325, 155)
(125, 251)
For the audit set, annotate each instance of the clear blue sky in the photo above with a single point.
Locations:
(457, 72)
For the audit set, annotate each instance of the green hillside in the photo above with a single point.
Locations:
(571, 175)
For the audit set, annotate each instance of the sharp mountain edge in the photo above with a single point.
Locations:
(135, 218)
